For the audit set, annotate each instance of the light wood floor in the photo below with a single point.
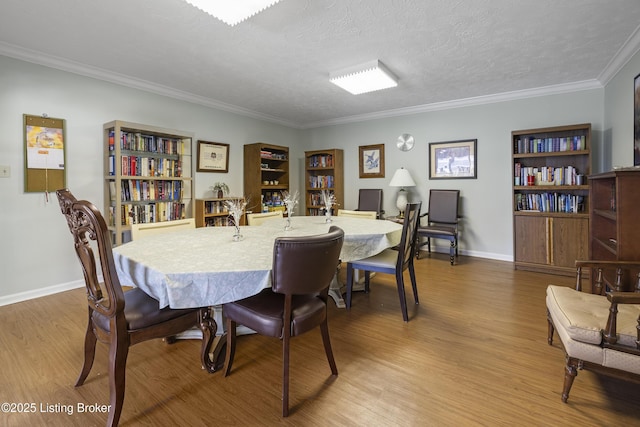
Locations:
(473, 353)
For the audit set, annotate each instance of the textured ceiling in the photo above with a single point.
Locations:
(276, 64)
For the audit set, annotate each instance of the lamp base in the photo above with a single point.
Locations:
(401, 202)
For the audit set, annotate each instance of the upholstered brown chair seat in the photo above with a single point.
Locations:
(265, 313)
(141, 311)
(443, 230)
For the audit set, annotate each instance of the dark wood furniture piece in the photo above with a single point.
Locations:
(323, 171)
(392, 261)
(442, 221)
(117, 318)
(599, 330)
(303, 268)
(551, 197)
(266, 175)
(370, 199)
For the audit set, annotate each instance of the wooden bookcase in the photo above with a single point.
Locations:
(148, 176)
(551, 197)
(323, 171)
(615, 206)
(266, 175)
(214, 212)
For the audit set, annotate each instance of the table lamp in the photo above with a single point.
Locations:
(402, 179)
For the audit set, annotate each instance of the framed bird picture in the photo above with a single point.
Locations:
(371, 161)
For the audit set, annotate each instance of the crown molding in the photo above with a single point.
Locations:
(466, 102)
(62, 64)
(622, 56)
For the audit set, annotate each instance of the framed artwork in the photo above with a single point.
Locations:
(371, 161)
(44, 153)
(453, 159)
(213, 157)
(636, 121)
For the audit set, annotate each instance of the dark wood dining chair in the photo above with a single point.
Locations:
(442, 221)
(370, 199)
(296, 302)
(392, 261)
(117, 318)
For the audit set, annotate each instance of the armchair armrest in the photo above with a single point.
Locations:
(610, 334)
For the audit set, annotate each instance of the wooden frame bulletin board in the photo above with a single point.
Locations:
(44, 154)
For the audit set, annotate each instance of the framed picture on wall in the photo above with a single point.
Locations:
(213, 157)
(453, 159)
(371, 161)
(636, 121)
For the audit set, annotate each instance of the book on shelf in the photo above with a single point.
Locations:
(531, 144)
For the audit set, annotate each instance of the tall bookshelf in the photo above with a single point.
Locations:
(266, 175)
(148, 176)
(323, 171)
(551, 197)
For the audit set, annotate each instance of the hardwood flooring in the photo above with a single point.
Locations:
(473, 353)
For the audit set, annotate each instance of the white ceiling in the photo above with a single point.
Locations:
(276, 65)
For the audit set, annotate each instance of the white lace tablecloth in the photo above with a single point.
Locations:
(205, 267)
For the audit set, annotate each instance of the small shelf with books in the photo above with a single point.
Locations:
(147, 176)
(214, 212)
(551, 197)
(323, 171)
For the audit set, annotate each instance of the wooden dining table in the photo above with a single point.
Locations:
(207, 267)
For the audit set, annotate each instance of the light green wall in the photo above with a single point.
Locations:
(37, 257)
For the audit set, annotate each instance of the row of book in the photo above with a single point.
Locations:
(321, 161)
(147, 166)
(316, 199)
(135, 141)
(135, 190)
(271, 155)
(321, 181)
(152, 212)
(217, 221)
(545, 175)
(530, 144)
(549, 202)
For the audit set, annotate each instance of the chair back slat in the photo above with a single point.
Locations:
(409, 233)
(306, 265)
(443, 206)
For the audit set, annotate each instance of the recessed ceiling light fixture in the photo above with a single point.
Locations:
(232, 12)
(364, 78)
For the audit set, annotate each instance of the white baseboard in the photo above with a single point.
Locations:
(42, 292)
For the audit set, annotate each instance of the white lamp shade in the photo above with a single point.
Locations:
(402, 178)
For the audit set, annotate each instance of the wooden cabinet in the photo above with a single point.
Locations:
(147, 176)
(214, 212)
(266, 175)
(323, 171)
(615, 209)
(551, 197)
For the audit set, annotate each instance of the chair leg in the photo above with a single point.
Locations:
(118, 351)
(403, 299)
(367, 281)
(550, 329)
(349, 284)
(286, 339)
(231, 346)
(414, 284)
(570, 373)
(89, 352)
(452, 250)
(324, 329)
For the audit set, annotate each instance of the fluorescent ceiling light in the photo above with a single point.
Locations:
(232, 11)
(364, 78)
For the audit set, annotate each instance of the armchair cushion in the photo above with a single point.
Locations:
(583, 316)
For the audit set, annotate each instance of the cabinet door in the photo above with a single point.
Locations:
(569, 241)
(532, 244)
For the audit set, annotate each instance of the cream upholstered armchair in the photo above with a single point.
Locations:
(600, 331)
